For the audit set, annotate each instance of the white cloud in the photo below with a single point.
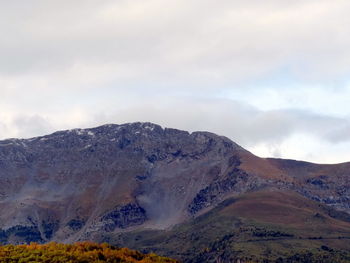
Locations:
(278, 133)
(66, 64)
(222, 41)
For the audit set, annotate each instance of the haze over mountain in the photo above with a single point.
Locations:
(144, 186)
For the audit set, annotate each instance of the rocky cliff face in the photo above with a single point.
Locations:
(82, 183)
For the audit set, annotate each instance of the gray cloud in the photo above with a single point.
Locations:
(230, 41)
(242, 123)
(340, 133)
(71, 64)
(24, 126)
(31, 125)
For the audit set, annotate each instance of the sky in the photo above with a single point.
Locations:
(273, 75)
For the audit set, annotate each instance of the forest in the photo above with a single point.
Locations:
(82, 252)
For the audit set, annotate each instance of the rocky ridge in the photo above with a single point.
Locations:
(79, 184)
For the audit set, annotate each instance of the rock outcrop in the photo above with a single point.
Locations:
(76, 184)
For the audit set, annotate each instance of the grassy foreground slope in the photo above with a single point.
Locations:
(266, 226)
(84, 252)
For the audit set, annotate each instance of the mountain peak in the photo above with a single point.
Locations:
(93, 183)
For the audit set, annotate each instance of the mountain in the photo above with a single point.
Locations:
(261, 226)
(198, 197)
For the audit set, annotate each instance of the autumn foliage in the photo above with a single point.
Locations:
(83, 252)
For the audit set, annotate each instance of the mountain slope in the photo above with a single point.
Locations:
(93, 184)
(71, 184)
(263, 226)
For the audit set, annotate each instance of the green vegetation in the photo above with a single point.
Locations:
(85, 252)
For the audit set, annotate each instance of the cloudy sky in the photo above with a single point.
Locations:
(272, 75)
